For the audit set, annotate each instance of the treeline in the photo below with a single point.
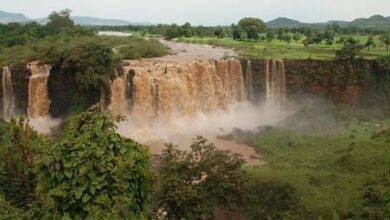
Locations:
(237, 31)
(59, 24)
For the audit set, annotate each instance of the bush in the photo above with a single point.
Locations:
(141, 48)
(8, 212)
(94, 173)
(269, 200)
(19, 147)
(192, 184)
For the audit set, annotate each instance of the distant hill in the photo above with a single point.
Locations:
(290, 23)
(6, 17)
(376, 21)
(284, 22)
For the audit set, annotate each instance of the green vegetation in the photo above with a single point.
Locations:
(338, 166)
(90, 172)
(193, 184)
(20, 145)
(273, 48)
(95, 173)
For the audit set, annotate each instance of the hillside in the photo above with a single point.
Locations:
(6, 17)
(376, 21)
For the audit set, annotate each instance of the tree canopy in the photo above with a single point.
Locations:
(192, 184)
(252, 27)
(94, 172)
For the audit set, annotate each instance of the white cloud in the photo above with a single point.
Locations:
(205, 11)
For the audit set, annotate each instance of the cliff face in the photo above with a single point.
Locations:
(342, 82)
(154, 89)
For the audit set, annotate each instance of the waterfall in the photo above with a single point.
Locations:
(8, 94)
(275, 80)
(117, 98)
(38, 97)
(165, 89)
(249, 80)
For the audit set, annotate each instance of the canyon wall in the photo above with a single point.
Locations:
(163, 89)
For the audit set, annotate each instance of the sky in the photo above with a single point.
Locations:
(204, 12)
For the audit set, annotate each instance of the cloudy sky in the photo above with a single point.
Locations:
(206, 12)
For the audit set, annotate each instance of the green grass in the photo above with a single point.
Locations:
(282, 50)
(331, 171)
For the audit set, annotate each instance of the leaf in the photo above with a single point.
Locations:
(92, 189)
(86, 198)
(79, 192)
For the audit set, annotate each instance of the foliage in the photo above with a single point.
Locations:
(192, 184)
(343, 171)
(370, 43)
(60, 22)
(94, 173)
(350, 50)
(273, 48)
(386, 40)
(89, 61)
(172, 31)
(268, 200)
(19, 147)
(8, 212)
(252, 26)
(141, 48)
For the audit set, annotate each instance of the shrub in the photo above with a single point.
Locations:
(95, 173)
(193, 184)
(269, 200)
(19, 147)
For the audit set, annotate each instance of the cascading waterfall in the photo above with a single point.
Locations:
(163, 90)
(38, 97)
(8, 94)
(117, 98)
(275, 79)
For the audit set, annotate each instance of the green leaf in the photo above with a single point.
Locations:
(86, 198)
(92, 189)
(79, 192)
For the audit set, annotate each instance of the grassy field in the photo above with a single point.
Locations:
(343, 170)
(282, 50)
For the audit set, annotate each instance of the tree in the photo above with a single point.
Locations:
(386, 40)
(252, 27)
(172, 32)
(370, 43)
(287, 38)
(236, 32)
(350, 49)
(91, 62)
(192, 184)
(270, 36)
(19, 146)
(60, 21)
(297, 37)
(279, 34)
(95, 173)
(219, 32)
(268, 200)
(186, 30)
